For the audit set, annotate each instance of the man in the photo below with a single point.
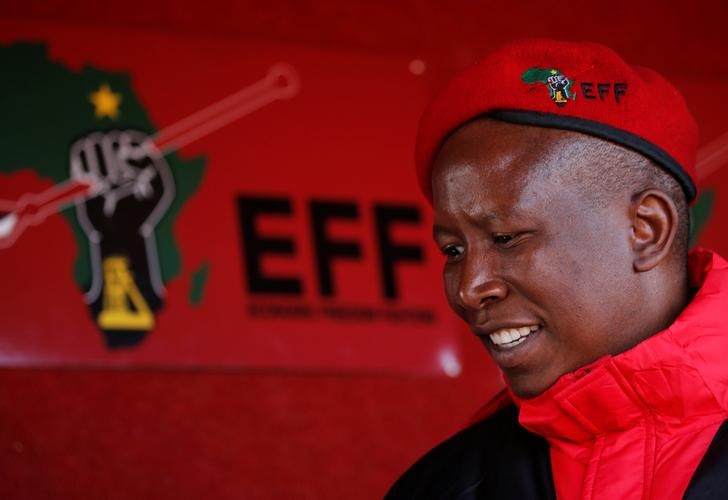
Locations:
(560, 178)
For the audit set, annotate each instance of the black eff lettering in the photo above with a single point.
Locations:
(587, 90)
(620, 90)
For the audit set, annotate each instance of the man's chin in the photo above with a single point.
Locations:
(528, 386)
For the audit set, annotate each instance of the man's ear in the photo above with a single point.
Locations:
(654, 226)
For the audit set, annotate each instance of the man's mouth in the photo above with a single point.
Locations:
(507, 338)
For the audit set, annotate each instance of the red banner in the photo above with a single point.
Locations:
(169, 201)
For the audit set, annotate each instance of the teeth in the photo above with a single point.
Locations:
(511, 337)
(513, 344)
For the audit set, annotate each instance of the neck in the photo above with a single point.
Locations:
(669, 294)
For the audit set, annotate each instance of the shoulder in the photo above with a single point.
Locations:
(495, 458)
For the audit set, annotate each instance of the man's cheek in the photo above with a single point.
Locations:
(451, 286)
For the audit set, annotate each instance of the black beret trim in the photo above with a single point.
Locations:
(603, 131)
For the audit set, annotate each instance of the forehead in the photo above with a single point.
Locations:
(494, 163)
(491, 162)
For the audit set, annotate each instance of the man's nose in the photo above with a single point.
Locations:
(480, 286)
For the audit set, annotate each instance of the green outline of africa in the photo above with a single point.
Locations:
(45, 107)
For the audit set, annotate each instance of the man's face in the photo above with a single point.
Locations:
(544, 279)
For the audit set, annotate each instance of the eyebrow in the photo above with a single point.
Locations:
(478, 219)
(437, 229)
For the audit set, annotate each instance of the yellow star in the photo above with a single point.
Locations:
(553, 71)
(106, 102)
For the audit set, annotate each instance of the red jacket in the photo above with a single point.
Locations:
(637, 424)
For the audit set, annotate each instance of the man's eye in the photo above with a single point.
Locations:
(502, 239)
(452, 251)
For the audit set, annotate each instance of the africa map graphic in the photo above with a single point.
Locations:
(66, 125)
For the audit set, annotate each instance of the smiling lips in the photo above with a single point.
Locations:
(507, 338)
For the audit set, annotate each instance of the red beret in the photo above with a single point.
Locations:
(583, 87)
